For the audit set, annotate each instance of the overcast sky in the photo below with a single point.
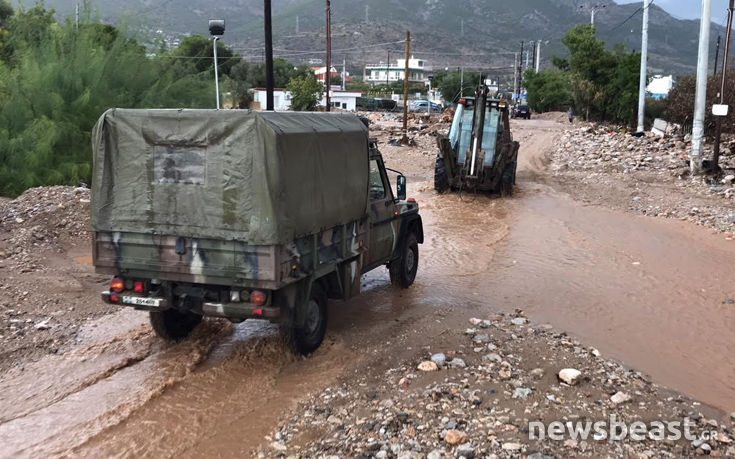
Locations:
(690, 9)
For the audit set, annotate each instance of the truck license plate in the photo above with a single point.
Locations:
(139, 301)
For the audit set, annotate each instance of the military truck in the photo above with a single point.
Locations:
(241, 214)
(479, 154)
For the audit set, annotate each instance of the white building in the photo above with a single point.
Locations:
(344, 100)
(281, 99)
(418, 71)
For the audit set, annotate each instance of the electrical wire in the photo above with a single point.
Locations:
(641, 8)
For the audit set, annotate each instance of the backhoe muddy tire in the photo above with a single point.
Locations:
(441, 182)
(174, 325)
(508, 180)
(403, 270)
(307, 339)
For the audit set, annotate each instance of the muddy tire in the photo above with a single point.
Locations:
(174, 325)
(403, 270)
(508, 180)
(441, 181)
(307, 339)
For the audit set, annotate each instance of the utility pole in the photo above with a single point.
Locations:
(461, 28)
(593, 9)
(387, 71)
(515, 77)
(533, 58)
(344, 72)
(76, 15)
(644, 68)
(700, 99)
(725, 61)
(717, 53)
(269, 81)
(297, 24)
(461, 82)
(520, 72)
(328, 75)
(367, 13)
(405, 89)
(538, 55)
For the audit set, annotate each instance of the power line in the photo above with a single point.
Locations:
(641, 8)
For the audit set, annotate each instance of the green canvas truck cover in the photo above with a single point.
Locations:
(259, 177)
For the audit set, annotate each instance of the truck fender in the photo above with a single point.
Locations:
(292, 296)
(410, 224)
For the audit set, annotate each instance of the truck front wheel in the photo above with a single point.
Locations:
(307, 338)
(403, 270)
(174, 325)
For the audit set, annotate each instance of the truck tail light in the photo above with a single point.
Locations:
(117, 285)
(139, 287)
(114, 299)
(258, 298)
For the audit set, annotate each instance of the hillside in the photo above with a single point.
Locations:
(493, 29)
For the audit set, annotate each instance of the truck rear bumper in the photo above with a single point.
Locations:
(235, 311)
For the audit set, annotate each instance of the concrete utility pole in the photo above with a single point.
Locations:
(725, 61)
(593, 9)
(538, 55)
(297, 24)
(269, 80)
(700, 99)
(644, 68)
(344, 72)
(520, 73)
(405, 89)
(328, 75)
(387, 71)
(76, 15)
(515, 77)
(367, 13)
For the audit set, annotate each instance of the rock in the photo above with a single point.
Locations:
(466, 450)
(481, 339)
(729, 179)
(457, 363)
(428, 366)
(455, 437)
(620, 397)
(435, 454)
(334, 420)
(570, 376)
(43, 325)
(505, 373)
(522, 392)
(470, 331)
(492, 357)
(512, 446)
(439, 359)
(475, 321)
(278, 446)
(537, 373)
(519, 321)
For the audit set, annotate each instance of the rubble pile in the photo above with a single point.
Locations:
(41, 218)
(478, 401)
(602, 156)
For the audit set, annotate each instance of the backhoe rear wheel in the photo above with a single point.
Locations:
(508, 180)
(174, 325)
(441, 181)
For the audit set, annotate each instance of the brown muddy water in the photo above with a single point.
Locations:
(645, 291)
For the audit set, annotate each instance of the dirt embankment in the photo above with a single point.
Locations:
(47, 285)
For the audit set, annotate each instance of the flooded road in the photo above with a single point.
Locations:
(648, 292)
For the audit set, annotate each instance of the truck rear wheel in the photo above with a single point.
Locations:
(403, 270)
(306, 339)
(441, 182)
(174, 325)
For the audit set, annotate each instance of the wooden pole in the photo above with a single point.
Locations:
(328, 76)
(405, 89)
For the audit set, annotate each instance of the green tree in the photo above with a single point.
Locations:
(450, 84)
(306, 92)
(196, 55)
(548, 90)
(6, 11)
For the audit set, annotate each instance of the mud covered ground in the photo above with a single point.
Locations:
(638, 304)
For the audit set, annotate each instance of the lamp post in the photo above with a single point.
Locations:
(216, 29)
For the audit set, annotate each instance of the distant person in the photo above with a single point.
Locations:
(570, 114)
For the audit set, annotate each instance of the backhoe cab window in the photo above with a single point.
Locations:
(377, 189)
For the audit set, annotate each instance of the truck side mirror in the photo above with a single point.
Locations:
(401, 187)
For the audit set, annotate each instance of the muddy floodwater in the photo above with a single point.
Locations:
(649, 292)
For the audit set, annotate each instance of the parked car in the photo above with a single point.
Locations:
(418, 106)
(522, 111)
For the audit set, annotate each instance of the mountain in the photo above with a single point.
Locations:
(369, 31)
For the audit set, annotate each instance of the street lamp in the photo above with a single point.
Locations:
(216, 29)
